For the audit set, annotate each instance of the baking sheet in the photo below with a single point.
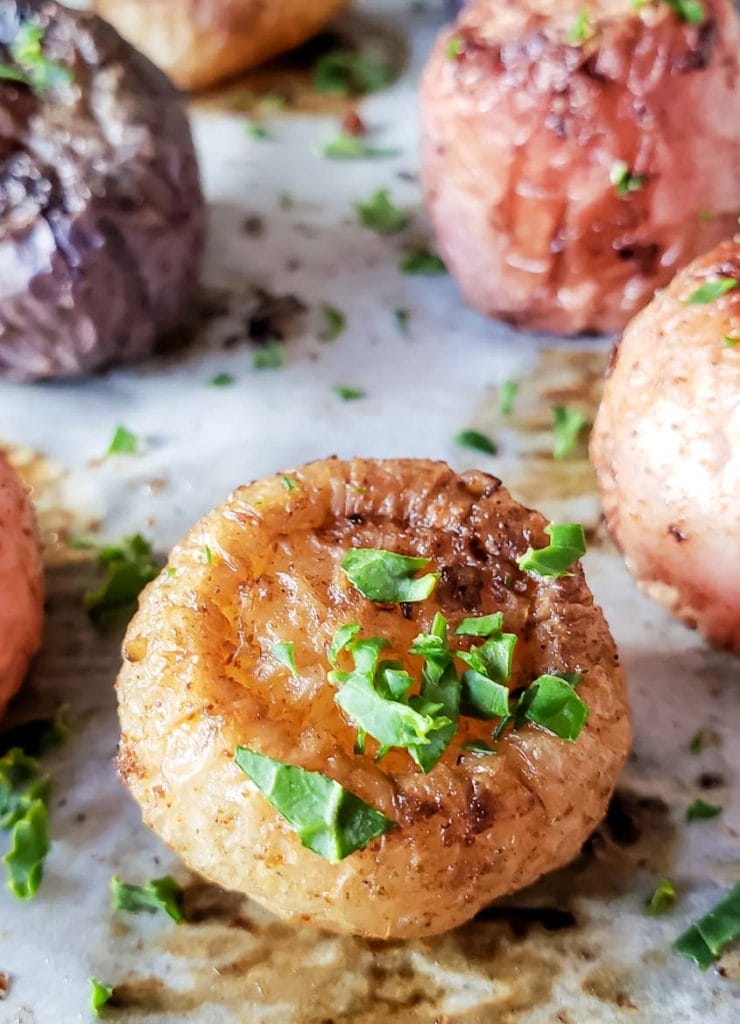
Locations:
(577, 948)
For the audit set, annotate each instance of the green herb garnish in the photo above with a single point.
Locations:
(552, 703)
(328, 819)
(662, 898)
(402, 317)
(269, 356)
(352, 147)
(348, 393)
(221, 380)
(729, 342)
(348, 73)
(440, 688)
(158, 894)
(476, 440)
(256, 130)
(567, 425)
(700, 810)
(129, 567)
(623, 180)
(100, 995)
(701, 739)
(691, 11)
(123, 443)
(482, 625)
(454, 47)
(288, 483)
(507, 397)
(567, 545)
(341, 640)
(380, 213)
(284, 654)
(712, 290)
(581, 29)
(31, 66)
(704, 941)
(482, 697)
(387, 577)
(29, 845)
(493, 658)
(34, 738)
(422, 261)
(479, 747)
(334, 323)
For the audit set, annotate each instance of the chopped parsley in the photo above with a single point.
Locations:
(729, 342)
(221, 380)
(476, 440)
(482, 625)
(348, 393)
(507, 397)
(352, 147)
(567, 425)
(348, 73)
(702, 738)
(123, 442)
(663, 898)
(402, 317)
(552, 703)
(29, 845)
(581, 29)
(712, 290)
(387, 577)
(269, 356)
(705, 940)
(328, 819)
(691, 11)
(380, 213)
(256, 130)
(284, 654)
(422, 261)
(567, 545)
(700, 810)
(341, 639)
(30, 65)
(288, 483)
(334, 323)
(100, 995)
(454, 47)
(479, 747)
(129, 567)
(624, 180)
(159, 894)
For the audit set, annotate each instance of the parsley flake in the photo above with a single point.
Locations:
(380, 213)
(29, 845)
(507, 397)
(284, 654)
(581, 29)
(158, 894)
(567, 545)
(334, 323)
(328, 819)
(129, 567)
(624, 180)
(31, 66)
(256, 130)
(700, 810)
(482, 625)
(690, 11)
(730, 342)
(388, 577)
(269, 356)
(712, 290)
(100, 995)
(552, 703)
(567, 425)
(221, 380)
(475, 440)
(348, 73)
(288, 483)
(123, 442)
(402, 317)
(352, 147)
(479, 747)
(341, 639)
(454, 47)
(663, 898)
(348, 393)
(422, 261)
(705, 940)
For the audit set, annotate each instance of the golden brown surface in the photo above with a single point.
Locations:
(521, 131)
(21, 584)
(198, 680)
(666, 446)
(200, 42)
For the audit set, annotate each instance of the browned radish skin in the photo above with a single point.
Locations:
(666, 447)
(21, 584)
(199, 679)
(521, 131)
